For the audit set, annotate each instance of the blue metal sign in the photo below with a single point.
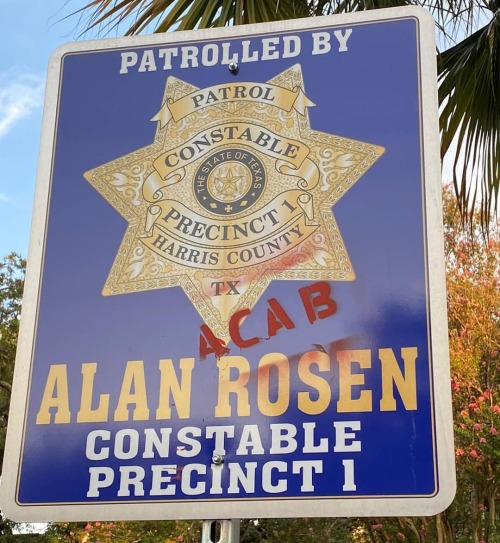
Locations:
(235, 298)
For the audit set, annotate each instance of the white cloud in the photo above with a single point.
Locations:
(19, 97)
(6, 200)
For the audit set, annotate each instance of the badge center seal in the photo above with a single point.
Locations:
(229, 181)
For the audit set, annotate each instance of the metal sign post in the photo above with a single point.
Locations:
(235, 300)
(229, 531)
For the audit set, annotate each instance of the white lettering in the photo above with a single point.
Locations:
(161, 446)
(148, 61)
(167, 54)
(342, 435)
(267, 477)
(342, 39)
(244, 478)
(183, 437)
(250, 439)
(212, 54)
(282, 438)
(348, 475)
(159, 479)
(126, 444)
(131, 476)
(321, 43)
(291, 46)
(90, 449)
(269, 46)
(309, 446)
(97, 482)
(128, 60)
(186, 483)
(220, 433)
(307, 467)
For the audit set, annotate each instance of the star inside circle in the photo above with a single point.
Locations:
(229, 181)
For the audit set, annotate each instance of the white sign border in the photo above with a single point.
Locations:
(244, 508)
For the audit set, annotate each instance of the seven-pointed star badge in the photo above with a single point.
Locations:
(235, 190)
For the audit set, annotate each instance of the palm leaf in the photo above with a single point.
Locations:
(469, 87)
(165, 15)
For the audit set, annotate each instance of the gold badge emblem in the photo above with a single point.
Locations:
(236, 190)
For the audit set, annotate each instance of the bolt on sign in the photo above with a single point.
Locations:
(235, 300)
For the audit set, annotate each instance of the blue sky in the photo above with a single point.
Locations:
(30, 31)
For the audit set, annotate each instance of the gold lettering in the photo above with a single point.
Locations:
(133, 379)
(55, 396)
(391, 375)
(347, 379)
(86, 413)
(237, 386)
(266, 406)
(322, 361)
(169, 385)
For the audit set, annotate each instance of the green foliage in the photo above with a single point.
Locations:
(126, 532)
(473, 277)
(12, 269)
(251, 531)
(167, 15)
(24, 538)
(303, 530)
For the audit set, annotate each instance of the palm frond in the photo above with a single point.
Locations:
(469, 94)
(347, 6)
(166, 15)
